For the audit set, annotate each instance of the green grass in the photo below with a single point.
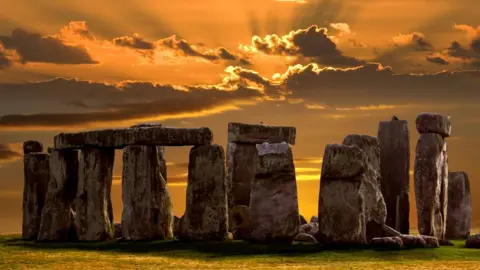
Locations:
(18, 254)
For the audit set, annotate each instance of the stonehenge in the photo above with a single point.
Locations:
(459, 211)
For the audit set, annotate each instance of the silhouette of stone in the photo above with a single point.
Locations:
(258, 134)
(119, 138)
(413, 241)
(241, 226)
(395, 118)
(342, 204)
(32, 147)
(61, 190)
(94, 215)
(394, 142)
(117, 227)
(375, 209)
(434, 123)
(302, 220)
(305, 238)
(206, 208)
(274, 216)
(473, 241)
(386, 243)
(431, 241)
(431, 184)
(147, 207)
(37, 175)
(459, 213)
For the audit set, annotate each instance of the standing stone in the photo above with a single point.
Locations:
(93, 203)
(241, 226)
(57, 216)
(431, 184)
(32, 147)
(147, 208)
(375, 209)
(162, 163)
(36, 177)
(274, 216)
(434, 123)
(394, 141)
(241, 162)
(459, 211)
(341, 207)
(206, 208)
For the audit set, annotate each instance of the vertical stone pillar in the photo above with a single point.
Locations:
(274, 216)
(36, 177)
(341, 207)
(431, 173)
(459, 212)
(162, 162)
(206, 208)
(394, 141)
(93, 203)
(147, 208)
(57, 216)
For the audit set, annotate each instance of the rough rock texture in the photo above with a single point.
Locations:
(389, 231)
(61, 190)
(206, 207)
(302, 220)
(473, 241)
(147, 207)
(386, 242)
(93, 204)
(274, 216)
(241, 162)
(257, 134)
(32, 147)
(162, 162)
(117, 227)
(314, 219)
(342, 205)
(413, 241)
(434, 123)
(241, 226)
(36, 177)
(305, 238)
(431, 184)
(431, 241)
(309, 228)
(375, 209)
(178, 226)
(459, 212)
(119, 138)
(394, 142)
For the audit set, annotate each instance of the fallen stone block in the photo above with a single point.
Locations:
(413, 241)
(147, 207)
(258, 134)
(206, 209)
(386, 243)
(57, 219)
(444, 242)
(431, 184)
(394, 142)
(36, 177)
(473, 241)
(434, 123)
(389, 231)
(309, 228)
(459, 213)
(305, 238)
(431, 241)
(119, 138)
(32, 147)
(302, 220)
(274, 216)
(314, 219)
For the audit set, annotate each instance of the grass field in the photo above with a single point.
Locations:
(18, 254)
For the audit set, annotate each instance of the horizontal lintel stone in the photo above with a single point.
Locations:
(258, 134)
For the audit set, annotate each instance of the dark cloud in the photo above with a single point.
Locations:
(32, 47)
(416, 41)
(135, 42)
(437, 60)
(5, 62)
(312, 43)
(6, 153)
(475, 45)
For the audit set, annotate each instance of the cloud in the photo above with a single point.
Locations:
(416, 41)
(32, 47)
(437, 60)
(77, 28)
(312, 43)
(8, 153)
(293, 1)
(135, 42)
(5, 62)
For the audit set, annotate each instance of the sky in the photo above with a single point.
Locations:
(328, 67)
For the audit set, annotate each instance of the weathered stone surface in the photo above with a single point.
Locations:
(61, 190)
(473, 241)
(119, 138)
(444, 242)
(309, 228)
(257, 134)
(386, 242)
(32, 147)
(241, 224)
(147, 207)
(117, 227)
(343, 161)
(389, 231)
(314, 219)
(431, 241)
(274, 216)
(413, 241)
(305, 238)
(162, 162)
(431, 184)
(459, 212)
(241, 162)
(394, 142)
(36, 177)
(375, 209)
(206, 207)
(93, 203)
(434, 123)
(302, 220)
(342, 205)
(178, 226)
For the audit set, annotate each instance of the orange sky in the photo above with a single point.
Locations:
(329, 68)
